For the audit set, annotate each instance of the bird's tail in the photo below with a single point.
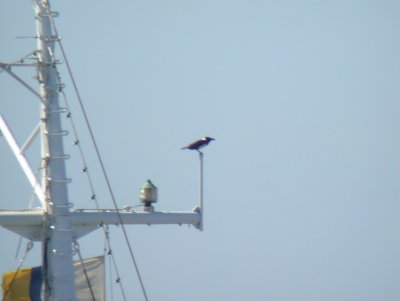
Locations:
(184, 147)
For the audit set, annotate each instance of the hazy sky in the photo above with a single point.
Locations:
(302, 184)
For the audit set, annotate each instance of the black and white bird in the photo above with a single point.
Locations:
(197, 145)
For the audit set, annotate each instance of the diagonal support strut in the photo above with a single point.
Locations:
(22, 161)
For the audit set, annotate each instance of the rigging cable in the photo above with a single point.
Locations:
(110, 253)
(30, 205)
(111, 293)
(99, 157)
(93, 194)
(29, 247)
(76, 248)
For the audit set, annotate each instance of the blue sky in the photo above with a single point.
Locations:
(302, 193)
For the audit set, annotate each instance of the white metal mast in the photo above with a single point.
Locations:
(57, 232)
(55, 225)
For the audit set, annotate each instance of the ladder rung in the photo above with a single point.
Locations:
(63, 157)
(66, 180)
(62, 133)
(60, 110)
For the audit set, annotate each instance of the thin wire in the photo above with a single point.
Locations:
(29, 246)
(110, 280)
(77, 143)
(100, 160)
(110, 253)
(30, 205)
(93, 195)
(105, 252)
(76, 247)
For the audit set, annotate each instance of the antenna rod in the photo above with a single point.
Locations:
(201, 155)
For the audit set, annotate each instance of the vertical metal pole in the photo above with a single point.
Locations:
(57, 233)
(201, 191)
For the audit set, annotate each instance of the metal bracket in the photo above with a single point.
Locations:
(7, 68)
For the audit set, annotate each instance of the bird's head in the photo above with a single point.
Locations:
(208, 139)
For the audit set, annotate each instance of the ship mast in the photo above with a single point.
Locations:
(55, 225)
(57, 235)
